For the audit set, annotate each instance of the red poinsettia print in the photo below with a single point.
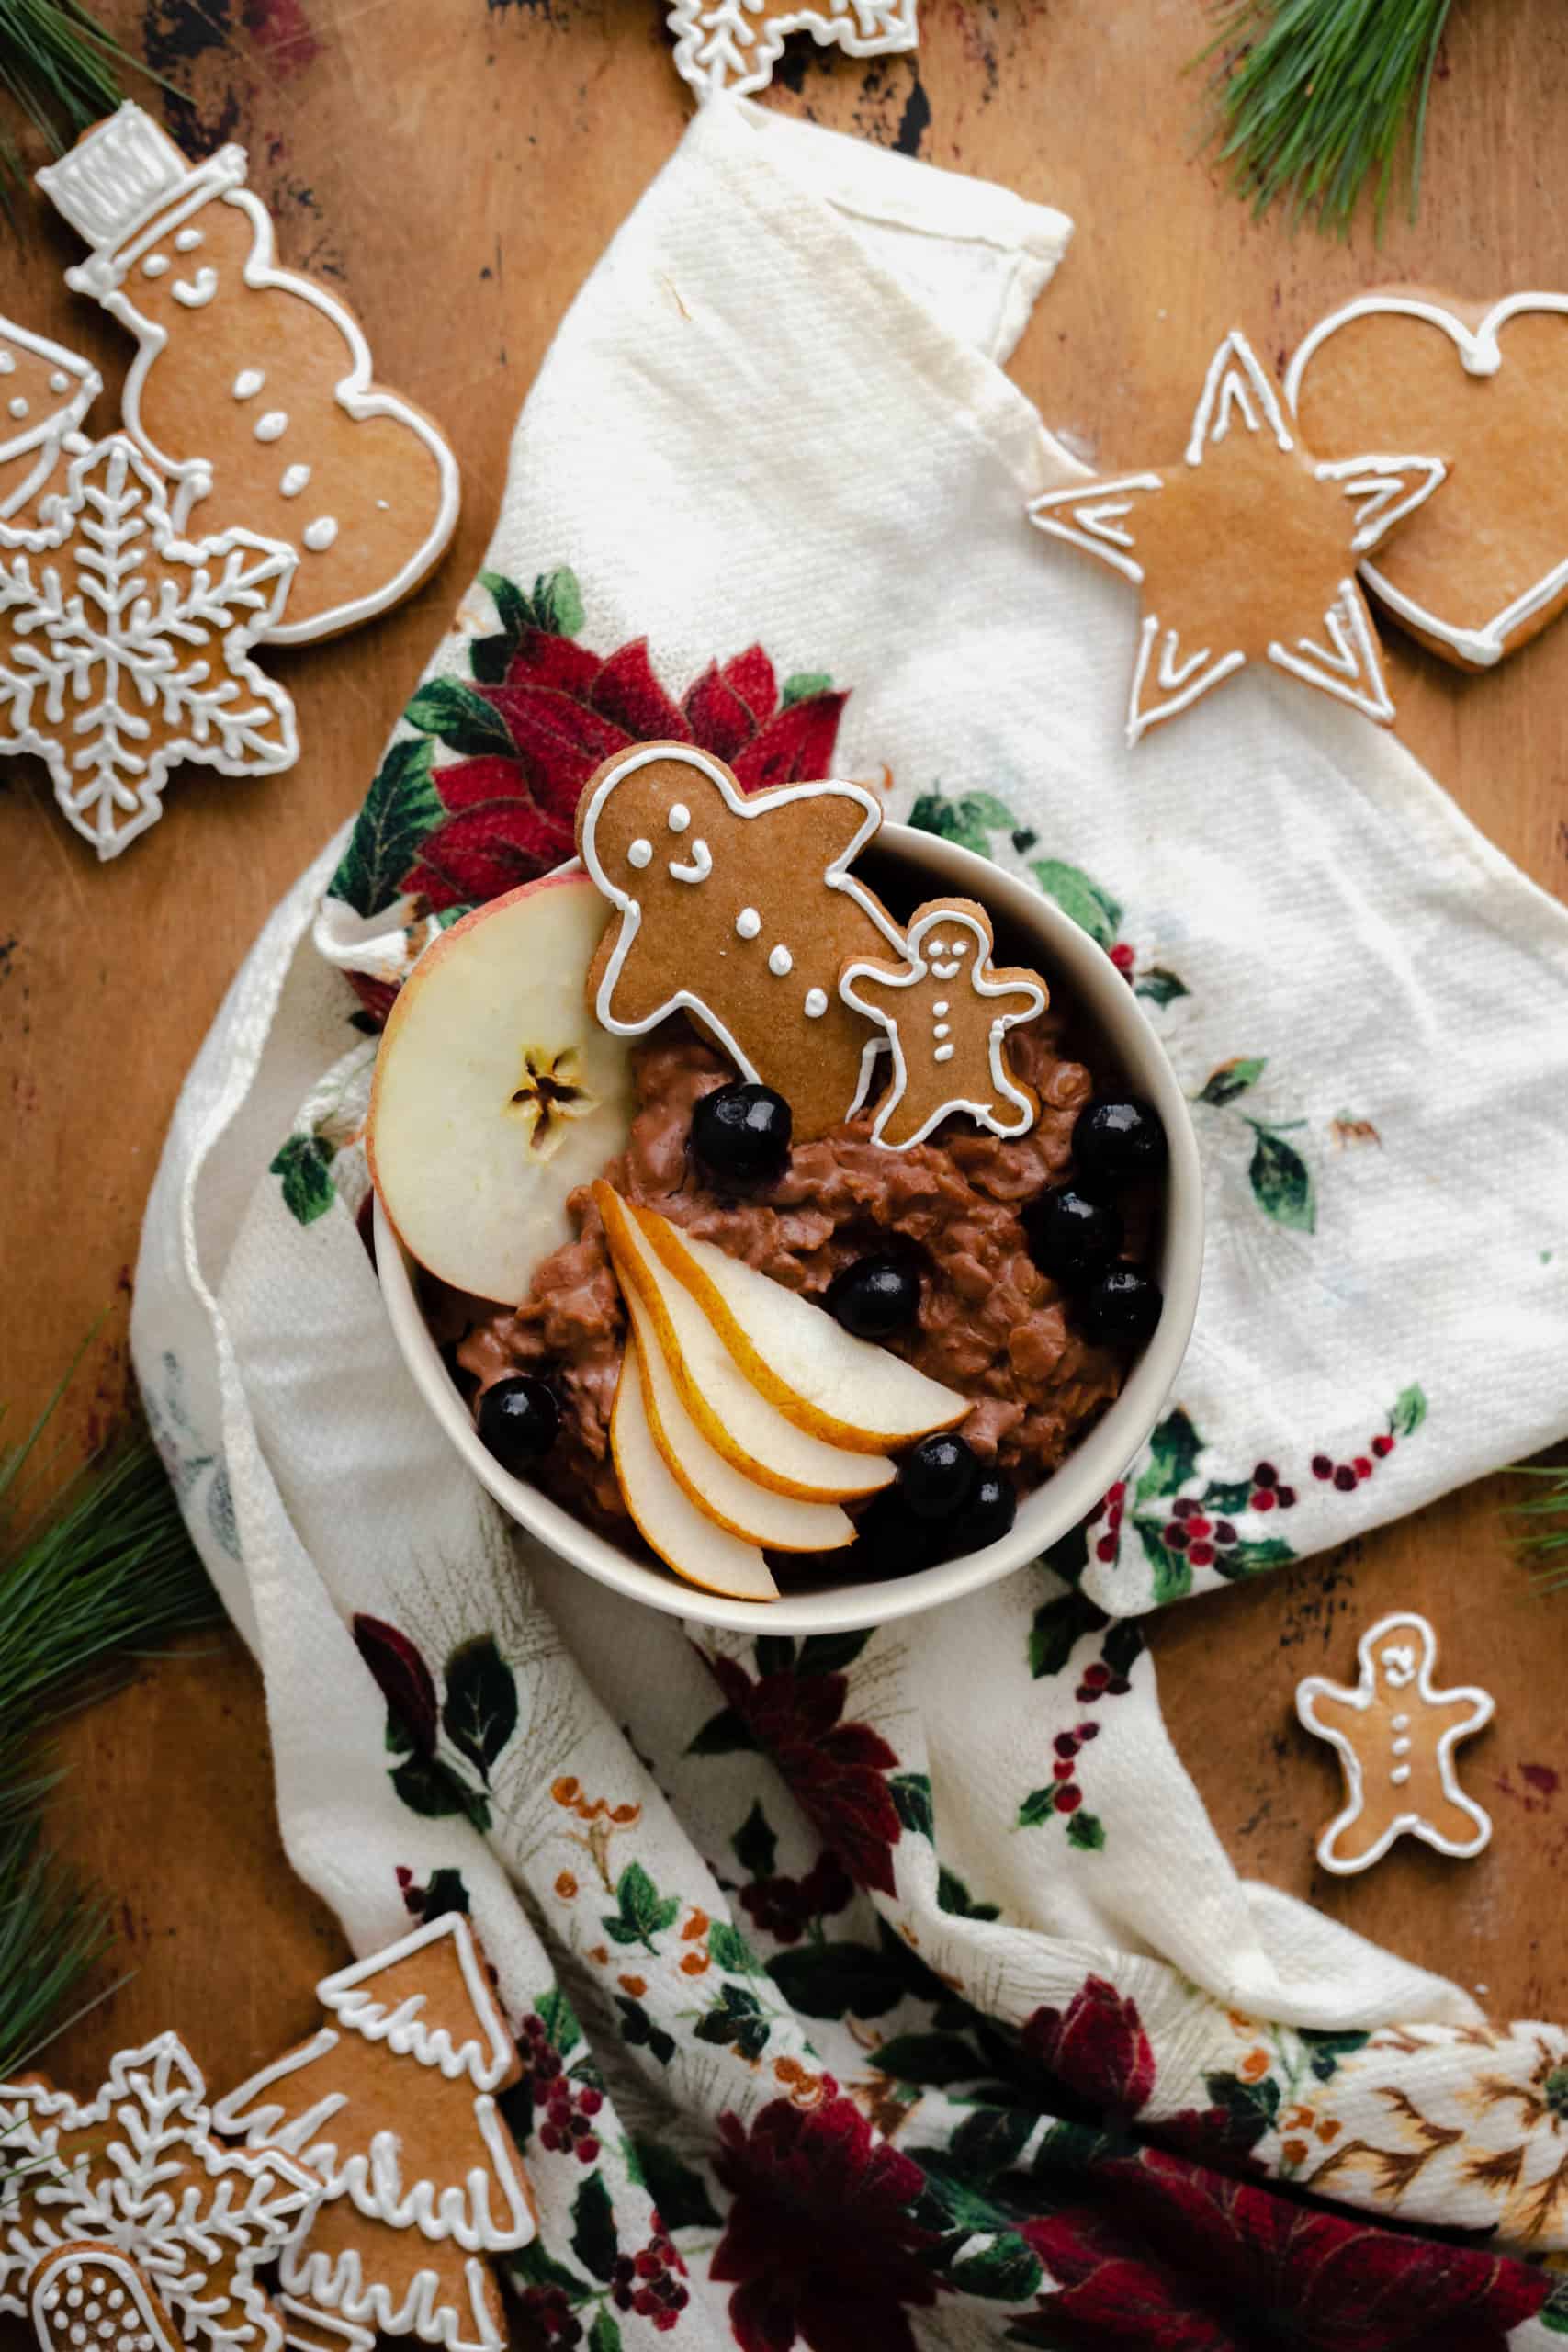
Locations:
(1171, 2252)
(556, 713)
(818, 2244)
(1097, 2046)
(835, 1769)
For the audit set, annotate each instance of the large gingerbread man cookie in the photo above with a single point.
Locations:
(253, 384)
(740, 912)
(946, 1010)
(1395, 1735)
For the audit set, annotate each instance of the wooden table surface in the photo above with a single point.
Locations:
(456, 169)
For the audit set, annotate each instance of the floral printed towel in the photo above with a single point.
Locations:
(885, 1990)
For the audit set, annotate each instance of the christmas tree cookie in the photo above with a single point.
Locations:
(392, 2105)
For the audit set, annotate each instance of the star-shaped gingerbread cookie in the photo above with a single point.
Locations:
(1246, 550)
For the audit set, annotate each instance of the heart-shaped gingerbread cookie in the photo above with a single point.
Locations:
(1484, 565)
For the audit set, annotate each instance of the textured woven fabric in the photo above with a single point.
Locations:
(866, 1963)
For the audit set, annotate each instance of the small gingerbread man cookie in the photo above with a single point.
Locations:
(1395, 1736)
(946, 1012)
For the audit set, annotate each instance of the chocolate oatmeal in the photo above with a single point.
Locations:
(990, 1324)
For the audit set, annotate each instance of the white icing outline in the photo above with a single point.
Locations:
(220, 178)
(81, 632)
(1480, 353)
(1482, 1709)
(144, 2318)
(50, 433)
(305, 2325)
(1384, 490)
(371, 2177)
(759, 804)
(981, 1113)
(712, 38)
(156, 2096)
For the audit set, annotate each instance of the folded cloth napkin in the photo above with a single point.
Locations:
(845, 1969)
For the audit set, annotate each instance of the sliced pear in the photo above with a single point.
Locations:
(686, 1539)
(830, 1384)
(736, 1418)
(497, 1094)
(756, 1514)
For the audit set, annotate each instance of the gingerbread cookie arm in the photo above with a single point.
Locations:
(1336, 1715)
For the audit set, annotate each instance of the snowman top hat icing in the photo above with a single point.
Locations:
(123, 175)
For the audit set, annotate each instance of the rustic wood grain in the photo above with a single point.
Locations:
(457, 169)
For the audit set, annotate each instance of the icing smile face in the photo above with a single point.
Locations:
(951, 947)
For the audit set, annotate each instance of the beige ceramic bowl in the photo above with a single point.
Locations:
(906, 868)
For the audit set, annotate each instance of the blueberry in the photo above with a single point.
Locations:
(891, 1542)
(1072, 1236)
(874, 1298)
(1118, 1137)
(742, 1134)
(1122, 1308)
(993, 1507)
(936, 1478)
(519, 1420)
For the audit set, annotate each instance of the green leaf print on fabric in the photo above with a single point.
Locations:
(1007, 2271)
(912, 1799)
(1160, 985)
(1174, 1448)
(1409, 1411)
(460, 718)
(754, 1845)
(1090, 905)
(969, 821)
(559, 2019)
(481, 1713)
(1327, 2049)
(953, 1896)
(1087, 1832)
(400, 808)
(737, 2022)
(726, 1734)
(604, 2335)
(933, 2060)
(1230, 1079)
(1172, 1571)
(594, 2228)
(639, 2033)
(642, 1913)
(304, 1167)
(728, 1950)
(800, 688)
(837, 1980)
(826, 1653)
(679, 2193)
(1281, 1180)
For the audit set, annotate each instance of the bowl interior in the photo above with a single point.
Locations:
(905, 867)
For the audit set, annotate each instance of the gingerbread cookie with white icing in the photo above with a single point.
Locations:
(1394, 1735)
(393, 2106)
(946, 1010)
(1484, 568)
(740, 910)
(251, 386)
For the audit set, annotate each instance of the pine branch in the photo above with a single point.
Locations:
(1316, 98)
(91, 1581)
(61, 69)
(1543, 1544)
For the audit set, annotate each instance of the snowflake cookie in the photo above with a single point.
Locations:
(124, 647)
(125, 2227)
(734, 44)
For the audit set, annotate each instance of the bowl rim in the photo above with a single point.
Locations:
(1071, 1493)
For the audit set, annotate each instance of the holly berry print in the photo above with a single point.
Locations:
(1195, 1530)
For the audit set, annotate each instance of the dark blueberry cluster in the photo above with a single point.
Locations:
(1348, 1475)
(944, 1501)
(519, 1420)
(652, 2282)
(1075, 1230)
(742, 1134)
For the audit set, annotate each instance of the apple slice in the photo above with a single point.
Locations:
(669, 1522)
(756, 1514)
(830, 1384)
(737, 1421)
(497, 1094)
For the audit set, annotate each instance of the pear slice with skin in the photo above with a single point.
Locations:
(846, 1391)
(737, 1421)
(669, 1522)
(756, 1514)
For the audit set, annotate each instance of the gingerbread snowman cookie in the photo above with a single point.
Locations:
(740, 910)
(1395, 1735)
(253, 384)
(946, 1010)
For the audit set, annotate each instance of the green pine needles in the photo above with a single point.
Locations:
(91, 1581)
(1317, 97)
(1544, 1544)
(60, 68)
